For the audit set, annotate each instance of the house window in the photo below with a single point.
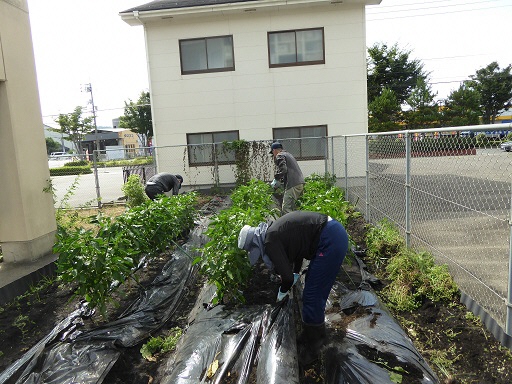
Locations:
(208, 54)
(304, 143)
(201, 148)
(299, 47)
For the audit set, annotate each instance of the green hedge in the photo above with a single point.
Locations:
(63, 171)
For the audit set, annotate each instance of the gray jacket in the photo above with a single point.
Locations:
(288, 171)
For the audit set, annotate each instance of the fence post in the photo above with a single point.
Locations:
(367, 149)
(407, 189)
(332, 155)
(346, 164)
(508, 321)
(215, 167)
(326, 167)
(96, 153)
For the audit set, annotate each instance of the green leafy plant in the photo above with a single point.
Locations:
(414, 276)
(222, 261)
(161, 344)
(22, 322)
(242, 159)
(134, 191)
(95, 259)
(383, 241)
(321, 195)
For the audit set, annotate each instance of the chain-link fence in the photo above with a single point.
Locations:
(447, 190)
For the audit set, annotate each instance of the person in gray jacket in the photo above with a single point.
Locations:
(161, 183)
(289, 175)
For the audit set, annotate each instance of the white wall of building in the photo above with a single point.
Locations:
(254, 98)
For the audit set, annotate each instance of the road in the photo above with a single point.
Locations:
(80, 191)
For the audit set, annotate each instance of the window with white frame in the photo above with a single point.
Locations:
(207, 149)
(304, 143)
(296, 47)
(207, 54)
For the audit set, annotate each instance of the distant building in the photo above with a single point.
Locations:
(66, 145)
(121, 140)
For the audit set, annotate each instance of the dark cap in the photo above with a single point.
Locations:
(276, 145)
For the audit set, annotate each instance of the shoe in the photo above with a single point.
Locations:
(310, 342)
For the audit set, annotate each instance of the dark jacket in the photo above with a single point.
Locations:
(292, 238)
(288, 171)
(166, 182)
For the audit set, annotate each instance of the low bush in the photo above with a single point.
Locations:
(414, 276)
(75, 170)
(134, 191)
(96, 258)
(383, 242)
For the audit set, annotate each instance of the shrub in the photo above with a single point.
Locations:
(414, 277)
(78, 163)
(383, 242)
(134, 191)
(96, 258)
(78, 170)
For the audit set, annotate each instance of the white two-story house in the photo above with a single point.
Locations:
(253, 70)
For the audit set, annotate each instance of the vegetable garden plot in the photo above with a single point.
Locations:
(86, 357)
(253, 343)
(257, 344)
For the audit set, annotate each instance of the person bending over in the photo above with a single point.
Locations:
(161, 183)
(283, 244)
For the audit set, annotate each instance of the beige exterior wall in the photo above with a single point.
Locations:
(254, 98)
(129, 138)
(27, 223)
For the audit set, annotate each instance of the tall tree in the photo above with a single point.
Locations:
(384, 112)
(74, 127)
(52, 145)
(495, 88)
(137, 117)
(462, 107)
(392, 68)
(424, 111)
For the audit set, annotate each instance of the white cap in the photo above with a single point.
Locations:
(242, 237)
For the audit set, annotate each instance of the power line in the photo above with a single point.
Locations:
(378, 9)
(438, 13)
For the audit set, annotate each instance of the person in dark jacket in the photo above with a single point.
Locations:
(283, 244)
(289, 175)
(161, 183)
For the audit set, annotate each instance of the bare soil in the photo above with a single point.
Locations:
(456, 345)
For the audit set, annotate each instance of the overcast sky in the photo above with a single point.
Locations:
(78, 42)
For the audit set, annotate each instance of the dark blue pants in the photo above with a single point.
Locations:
(322, 271)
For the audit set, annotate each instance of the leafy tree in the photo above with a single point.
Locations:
(392, 68)
(423, 112)
(137, 117)
(495, 88)
(462, 107)
(384, 112)
(52, 145)
(74, 127)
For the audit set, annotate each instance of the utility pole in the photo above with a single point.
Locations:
(88, 88)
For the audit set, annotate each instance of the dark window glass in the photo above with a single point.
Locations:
(304, 143)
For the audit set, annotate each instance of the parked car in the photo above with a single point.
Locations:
(506, 146)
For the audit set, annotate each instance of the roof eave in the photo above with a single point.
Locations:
(139, 17)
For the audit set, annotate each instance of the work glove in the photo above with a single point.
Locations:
(295, 278)
(281, 295)
(275, 184)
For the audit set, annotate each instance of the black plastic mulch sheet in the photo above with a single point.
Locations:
(232, 346)
(375, 349)
(258, 344)
(88, 356)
